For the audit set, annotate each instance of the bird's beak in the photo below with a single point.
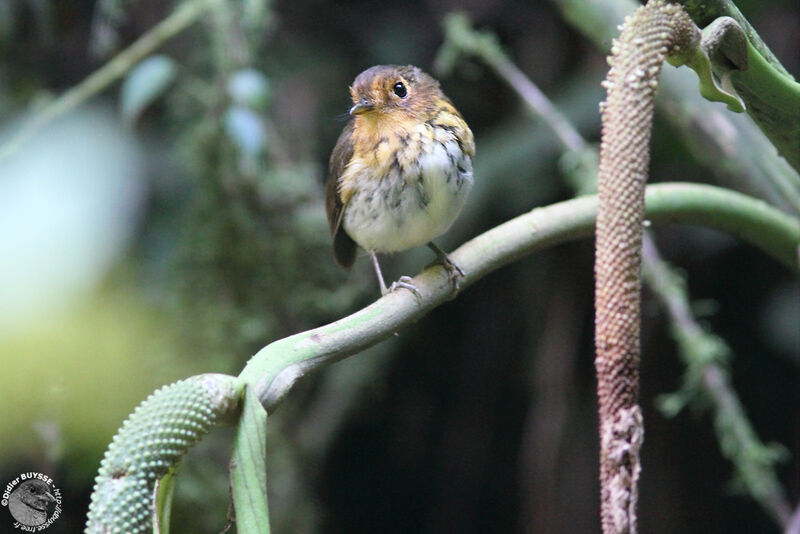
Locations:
(361, 107)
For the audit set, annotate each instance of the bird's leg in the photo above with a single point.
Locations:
(377, 266)
(403, 282)
(454, 271)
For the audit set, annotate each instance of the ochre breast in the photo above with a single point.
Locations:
(381, 141)
(407, 187)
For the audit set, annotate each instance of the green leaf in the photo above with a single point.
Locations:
(144, 84)
(164, 491)
(249, 470)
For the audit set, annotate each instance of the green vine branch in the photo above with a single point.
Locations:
(772, 95)
(174, 418)
(277, 367)
(705, 11)
(271, 373)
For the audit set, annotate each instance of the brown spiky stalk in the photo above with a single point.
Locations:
(648, 36)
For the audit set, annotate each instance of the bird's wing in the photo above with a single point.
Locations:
(344, 248)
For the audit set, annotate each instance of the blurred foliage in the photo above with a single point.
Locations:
(213, 198)
(112, 347)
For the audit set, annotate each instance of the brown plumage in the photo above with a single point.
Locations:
(344, 248)
(401, 169)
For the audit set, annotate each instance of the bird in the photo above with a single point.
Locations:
(400, 171)
(28, 503)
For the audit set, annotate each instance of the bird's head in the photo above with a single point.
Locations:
(391, 91)
(34, 493)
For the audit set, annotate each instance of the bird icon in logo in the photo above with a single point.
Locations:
(29, 501)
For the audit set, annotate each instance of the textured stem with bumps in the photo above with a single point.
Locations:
(150, 444)
(158, 434)
(648, 36)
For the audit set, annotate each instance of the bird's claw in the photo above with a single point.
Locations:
(454, 272)
(405, 282)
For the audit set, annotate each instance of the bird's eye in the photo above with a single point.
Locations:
(400, 89)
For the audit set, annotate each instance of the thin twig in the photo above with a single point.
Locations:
(701, 352)
(184, 16)
(462, 38)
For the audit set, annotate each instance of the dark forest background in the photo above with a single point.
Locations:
(175, 224)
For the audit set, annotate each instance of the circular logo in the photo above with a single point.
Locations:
(33, 501)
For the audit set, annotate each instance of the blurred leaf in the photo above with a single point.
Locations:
(69, 203)
(82, 371)
(250, 88)
(144, 84)
(256, 14)
(245, 128)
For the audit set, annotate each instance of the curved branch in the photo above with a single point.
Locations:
(276, 367)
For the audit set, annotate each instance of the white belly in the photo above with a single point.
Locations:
(409, 206)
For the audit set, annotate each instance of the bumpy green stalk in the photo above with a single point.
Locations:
(149, 446)
(159, 433)
(648, 36)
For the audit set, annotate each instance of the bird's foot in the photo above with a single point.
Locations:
(405, 282)
(454, 272)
